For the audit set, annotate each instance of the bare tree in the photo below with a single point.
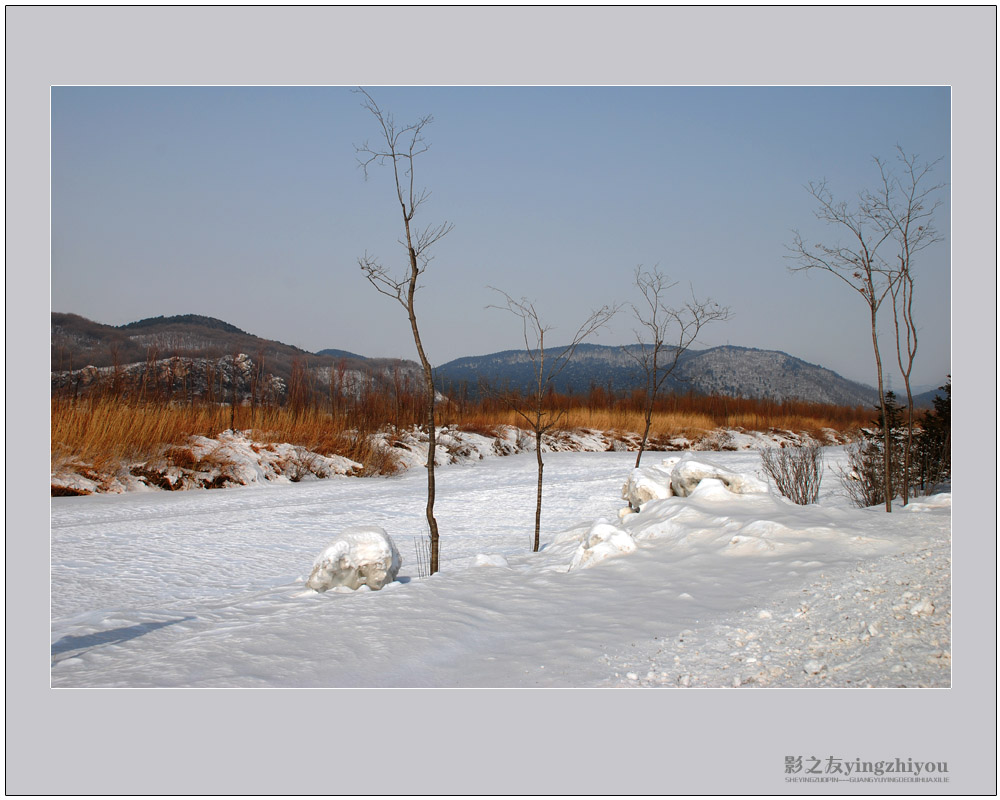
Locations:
(398, 147)
(905, 207)
(545, 368)
(859, 264)
(256, 376)
(664, 324)
(234, 376)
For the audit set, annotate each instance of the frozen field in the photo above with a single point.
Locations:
(205, 588)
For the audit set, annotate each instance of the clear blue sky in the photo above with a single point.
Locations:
(247, 204)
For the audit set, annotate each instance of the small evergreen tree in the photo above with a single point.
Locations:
(895, 435)
(872, 476)
(933, 446)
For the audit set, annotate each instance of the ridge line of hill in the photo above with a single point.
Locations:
(726, 370)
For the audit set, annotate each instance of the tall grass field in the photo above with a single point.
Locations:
(103, 430)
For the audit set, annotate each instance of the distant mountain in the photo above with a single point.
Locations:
(202, 344)
(924, 399)
(727, 371)
(83, 351)
(78, 342)
(338, 354)
(182, 320)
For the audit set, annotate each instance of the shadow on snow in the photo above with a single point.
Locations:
(68, 645)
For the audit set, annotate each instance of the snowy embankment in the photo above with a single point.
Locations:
(230, 459)
(233, 458)
(715, 588)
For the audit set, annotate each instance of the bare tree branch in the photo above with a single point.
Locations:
(904, 207)
(665, 323)
(899, 211)
(402, 144)
(859, 262)
(377, 276)
(545, 369)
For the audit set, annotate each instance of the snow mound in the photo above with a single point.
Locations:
(735, 515)
(496, 560)
(362, 556)
(688, 473)
(682, 477)
(649, 483)
(928, 503)
(235, 459)
(602, 541)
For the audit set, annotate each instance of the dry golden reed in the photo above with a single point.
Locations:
(103, 430)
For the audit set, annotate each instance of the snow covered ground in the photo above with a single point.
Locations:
(206, 588)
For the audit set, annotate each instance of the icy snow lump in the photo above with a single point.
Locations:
(602, 541)
(649, 483)
(362, 556)
(680, 477)
(686, 476)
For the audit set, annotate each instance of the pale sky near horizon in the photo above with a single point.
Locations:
(247, 204)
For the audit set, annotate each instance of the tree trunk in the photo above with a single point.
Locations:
(886, 459)
(232, 411)
(645, 432)
(429, 390)
(911, 352)
(538, 500)
(909, 442)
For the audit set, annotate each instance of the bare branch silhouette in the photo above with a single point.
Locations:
(399, 147)
(545, 368)
(662, 324)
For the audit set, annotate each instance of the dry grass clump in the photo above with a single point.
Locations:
(183, 457)
(663, 425)
(104, 433)
(481, 427)
(690, 416)
(813, 425)
(322, 432)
